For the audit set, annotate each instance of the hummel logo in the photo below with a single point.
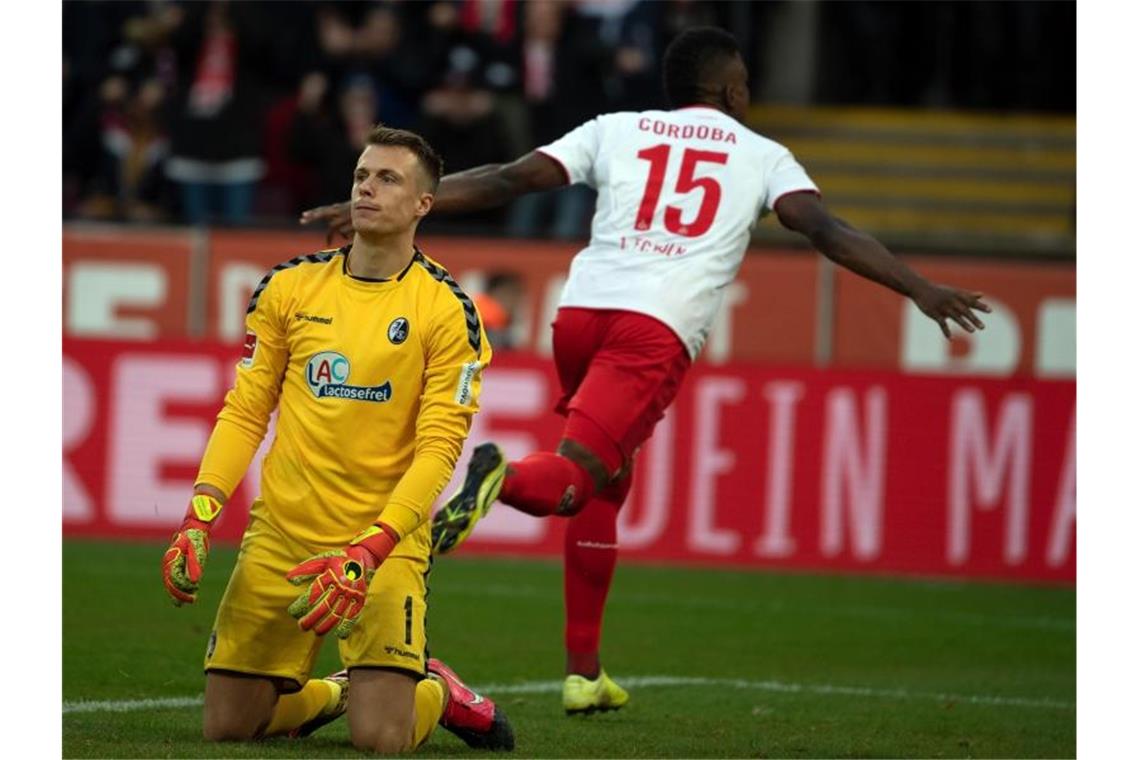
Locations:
(401, 652)
(312, 318)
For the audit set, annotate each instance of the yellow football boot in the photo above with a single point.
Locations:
(581, 695)
(456, 519)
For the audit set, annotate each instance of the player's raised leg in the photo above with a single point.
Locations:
(541, 484)
(619, 371)
(545, 482)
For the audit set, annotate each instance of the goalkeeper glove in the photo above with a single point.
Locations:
(338, 582)
(183, 562)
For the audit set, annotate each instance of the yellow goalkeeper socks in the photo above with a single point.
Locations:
(429, 708)
(319, 695)
(294, 710)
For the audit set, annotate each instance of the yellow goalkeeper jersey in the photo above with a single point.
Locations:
(376, 382)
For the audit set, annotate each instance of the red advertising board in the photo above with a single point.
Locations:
(762, 467)
(785, 307)
(769, 312)
(1031, 329)
(132, 285)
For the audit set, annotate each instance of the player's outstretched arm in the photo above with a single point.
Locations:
(471, 190)
(867, 257)
(496, 184)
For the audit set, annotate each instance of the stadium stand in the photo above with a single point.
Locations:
(939, 179)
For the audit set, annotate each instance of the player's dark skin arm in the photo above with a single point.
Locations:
(497, 184)
(471, 190)
(862, 254)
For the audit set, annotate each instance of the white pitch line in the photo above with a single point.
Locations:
(549, 687)
(129, 705)
(540, 687)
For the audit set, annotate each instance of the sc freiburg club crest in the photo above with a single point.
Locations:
(398, 330)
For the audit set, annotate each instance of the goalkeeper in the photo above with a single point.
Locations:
(373, 357)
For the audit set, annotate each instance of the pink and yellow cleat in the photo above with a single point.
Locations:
(473, 718)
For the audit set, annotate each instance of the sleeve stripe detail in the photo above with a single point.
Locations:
(474, 331)
(312, 258)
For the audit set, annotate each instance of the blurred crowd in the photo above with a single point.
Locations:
(224, 112)
(241, 112)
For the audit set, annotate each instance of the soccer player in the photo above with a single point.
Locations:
(373, 357)
(678, 192)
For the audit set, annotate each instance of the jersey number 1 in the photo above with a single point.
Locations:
(658, 158)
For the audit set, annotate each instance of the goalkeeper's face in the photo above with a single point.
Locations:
(389, 191)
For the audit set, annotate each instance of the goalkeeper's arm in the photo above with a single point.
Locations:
(228, 453)
(185, 559)
(238, 432)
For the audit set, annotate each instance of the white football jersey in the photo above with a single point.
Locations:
(678, 194)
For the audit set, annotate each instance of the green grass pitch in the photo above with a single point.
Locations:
(718, 663)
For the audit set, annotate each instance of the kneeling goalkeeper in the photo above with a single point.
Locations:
(373, 356)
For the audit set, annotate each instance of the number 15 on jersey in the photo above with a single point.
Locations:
(687, 181)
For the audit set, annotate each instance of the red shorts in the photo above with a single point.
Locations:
(619, 368)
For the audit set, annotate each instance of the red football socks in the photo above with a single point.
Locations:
(590, 556)
(545, 483)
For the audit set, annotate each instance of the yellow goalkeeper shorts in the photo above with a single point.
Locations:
(255, 634)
